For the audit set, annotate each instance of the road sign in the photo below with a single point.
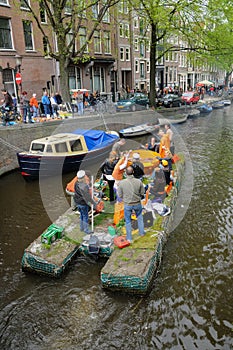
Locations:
(18, 78)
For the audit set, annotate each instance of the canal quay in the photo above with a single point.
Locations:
(190, 305)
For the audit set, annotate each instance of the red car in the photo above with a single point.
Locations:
(190, 97)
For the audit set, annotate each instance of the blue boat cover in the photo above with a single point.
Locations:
(96, 138)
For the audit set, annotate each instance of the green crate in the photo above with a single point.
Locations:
(52, 233)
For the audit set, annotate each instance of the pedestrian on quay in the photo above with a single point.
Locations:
(7, 104)
(24, 105)
(46, 104)
(54, 105)
(83, 200)
(131, 190)
(34, 106)
(79, 101)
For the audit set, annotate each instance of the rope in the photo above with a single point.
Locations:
(9, 145)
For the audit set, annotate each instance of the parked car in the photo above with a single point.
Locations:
(171, 100)
(190, 97)
(135, 103)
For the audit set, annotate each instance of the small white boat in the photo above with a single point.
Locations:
(226, 102)
(218, 105)
(139, 130)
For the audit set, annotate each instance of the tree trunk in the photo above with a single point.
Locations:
(152, 94)
(64, 79)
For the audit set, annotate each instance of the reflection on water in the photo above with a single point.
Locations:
(191, 304)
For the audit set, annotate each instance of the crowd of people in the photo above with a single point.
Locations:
(30, 108)
(124, 176)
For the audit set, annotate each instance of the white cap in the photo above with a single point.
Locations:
(34, 95)
(136, 156)
(81, 174)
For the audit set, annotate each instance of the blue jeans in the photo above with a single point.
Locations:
(127, 212)
(80, 108)
(83, 209)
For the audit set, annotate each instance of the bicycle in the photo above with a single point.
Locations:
(9, 115)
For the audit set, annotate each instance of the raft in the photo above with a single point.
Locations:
(131, 269)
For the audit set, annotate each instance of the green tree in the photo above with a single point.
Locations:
(65, 18)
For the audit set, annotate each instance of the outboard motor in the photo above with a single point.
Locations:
(94, 245)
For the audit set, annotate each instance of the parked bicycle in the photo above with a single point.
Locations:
(9, 115)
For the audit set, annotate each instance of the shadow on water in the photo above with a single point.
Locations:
(191, 303)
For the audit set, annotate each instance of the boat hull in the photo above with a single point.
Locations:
(138, 130)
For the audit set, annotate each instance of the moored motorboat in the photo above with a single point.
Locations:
(226, 102)
(138, 130)
(64, 152)
(218, 105)
(205, 108)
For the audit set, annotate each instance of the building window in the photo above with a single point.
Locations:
(5, 34)
(148, 66)
(83, 38)
(43, 17)
(141, 27)
(97, 42)
(127, 54)
(142, 49)
(135, 23)
(142, 70)
(136, 66)
(68, 8)
(95, 10)
(3, 2)
(107, 42)
(126, 30)
(122, 54)
(121, 27)
(136, 46)
(24, 4)
(106, 17)
(27, 29)
(46, 47)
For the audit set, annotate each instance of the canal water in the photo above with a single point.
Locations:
(191, 303)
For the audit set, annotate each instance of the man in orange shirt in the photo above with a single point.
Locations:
(164, 143)
(34, 106)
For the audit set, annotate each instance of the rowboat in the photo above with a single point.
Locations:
(64, 152)
(226, 102)
(175, 119)
(218, 105)
(138, 130)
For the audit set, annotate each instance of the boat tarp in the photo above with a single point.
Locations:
(96, 138)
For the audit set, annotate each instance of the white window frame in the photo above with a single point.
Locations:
(97, 41)
(32, 37)
(4, 3)
(122, 54)
(136, 66)
(11, 36)
(127, 53)
(107, 42)
(121, 30)
(82, 38)
(24, 6)
(126, 30)
(136, 44)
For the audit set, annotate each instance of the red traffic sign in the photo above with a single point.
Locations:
(18, 78)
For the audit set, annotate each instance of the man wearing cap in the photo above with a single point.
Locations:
(131, 190)
(83, 200)
(138, 167)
